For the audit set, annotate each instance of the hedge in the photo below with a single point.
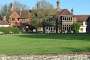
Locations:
(8, 30)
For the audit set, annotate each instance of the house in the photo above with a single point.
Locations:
(65, 19)
(3, 23)
(82, 19)
(19, 16)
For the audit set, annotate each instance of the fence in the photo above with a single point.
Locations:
(46, 57)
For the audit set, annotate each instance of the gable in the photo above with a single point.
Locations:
(14, 15)
(65, 12)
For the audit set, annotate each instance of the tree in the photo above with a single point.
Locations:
(76, 27)
(5, 10)
(41, 12)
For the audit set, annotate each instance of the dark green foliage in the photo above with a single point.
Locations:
(76, 27)
(14, 30)
(8, 30)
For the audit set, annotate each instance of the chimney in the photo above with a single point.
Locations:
(58, 5)
(72, 11)
(21, 11)
(13, 7)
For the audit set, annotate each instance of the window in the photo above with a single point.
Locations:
(69, 28)
(65, 28)
(67, 18)
(51, 29)
(63, 17)
(81, 29)
(46, 27)
(13, 18)
(65, 25)
(54, 28)
(71, 18)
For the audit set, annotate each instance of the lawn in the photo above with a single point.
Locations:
(44, 43)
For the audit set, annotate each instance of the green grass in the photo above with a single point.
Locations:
(44, 44)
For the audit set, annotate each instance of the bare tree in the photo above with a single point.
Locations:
(5, 10)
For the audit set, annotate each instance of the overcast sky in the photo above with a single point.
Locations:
(79, 6)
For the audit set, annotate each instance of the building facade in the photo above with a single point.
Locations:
(66, 19)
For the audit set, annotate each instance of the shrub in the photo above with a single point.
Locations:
(14, 30)
(8, 30)
(4, 30)
(76, 27)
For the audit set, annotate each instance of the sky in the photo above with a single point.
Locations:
(79, 6)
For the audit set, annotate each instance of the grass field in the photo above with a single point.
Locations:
(44, 44)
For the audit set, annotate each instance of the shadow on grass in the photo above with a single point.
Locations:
(59, 36)
(77, 49)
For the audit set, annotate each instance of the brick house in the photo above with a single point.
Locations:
(19, 16)
(66, 18)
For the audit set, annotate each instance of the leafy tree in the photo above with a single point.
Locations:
(41, 12)
(76, 27)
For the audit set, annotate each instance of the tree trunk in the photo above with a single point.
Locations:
(56, 24)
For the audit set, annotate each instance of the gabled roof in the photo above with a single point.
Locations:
(65, 12)
(20, 14)
(14, 14)
(78, 17)
(25, 14)
(81, 17)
